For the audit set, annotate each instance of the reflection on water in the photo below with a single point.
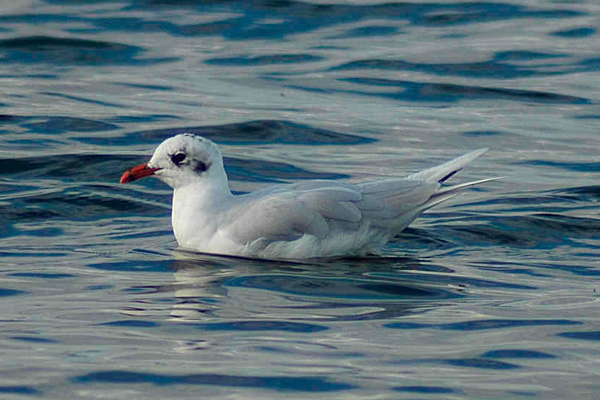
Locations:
(208, 288)
(297, 292)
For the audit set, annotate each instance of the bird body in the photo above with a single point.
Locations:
(316, 218)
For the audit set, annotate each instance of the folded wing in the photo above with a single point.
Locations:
(321, 208)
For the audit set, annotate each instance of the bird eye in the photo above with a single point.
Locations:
(178, 158)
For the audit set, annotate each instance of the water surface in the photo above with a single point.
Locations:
(492, 296)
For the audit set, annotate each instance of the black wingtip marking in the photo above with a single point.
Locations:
(445, 178)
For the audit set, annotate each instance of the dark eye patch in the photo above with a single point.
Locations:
(178, 158)
(201, 167)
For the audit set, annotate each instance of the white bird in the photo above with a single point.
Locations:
(316, 218)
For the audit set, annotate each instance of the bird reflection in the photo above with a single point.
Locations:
(215, 288)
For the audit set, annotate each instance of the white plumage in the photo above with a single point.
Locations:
(308, 219)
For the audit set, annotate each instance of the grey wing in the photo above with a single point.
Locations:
(337, 205)
(276, 217)
(287, 213)
(389, 204)
(319, 207)
(393, 204)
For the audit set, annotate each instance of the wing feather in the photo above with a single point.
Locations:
(278, 217)
(394, 199)
(318, 208)
(333, 203)
(388, 186)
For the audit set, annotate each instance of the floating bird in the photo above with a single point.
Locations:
(318, 218)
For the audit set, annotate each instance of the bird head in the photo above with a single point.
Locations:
(180, 161)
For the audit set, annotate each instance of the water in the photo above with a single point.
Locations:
(492, 296)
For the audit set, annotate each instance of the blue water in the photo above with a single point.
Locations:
(494, 295)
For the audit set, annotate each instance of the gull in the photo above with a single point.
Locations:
(311, 219)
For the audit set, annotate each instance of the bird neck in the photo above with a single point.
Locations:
(195, 210)
(202, 196)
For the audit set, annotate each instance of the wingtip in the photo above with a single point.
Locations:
(445, 171)
(478, 152)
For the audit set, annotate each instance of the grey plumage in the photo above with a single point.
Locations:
(325, 208)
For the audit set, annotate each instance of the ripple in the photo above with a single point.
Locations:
(339, 287)
(251, 132)
(58, 125)
(42, 275)
(486, 324)
(446, 92)
(539, 231)
(264, 20)
(425, 389)
(148, 266)
(368, 31)
(566, 165)
(264, 60)
(271, 171)
(9, 292)
(84, 167)
(269, 325)
(76, 205)
(525, 55)
(459, 14)
(483, 133)
(575, 33)
(31, 339)
(78, 124)
(580, 193)
(281, 383)
(518, 353)
(480, 363)
(484, 69)
(20, 390)
(70, 51)
(503, 324)
(582, 335)
(132, 324)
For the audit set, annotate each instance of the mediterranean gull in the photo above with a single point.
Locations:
(318, 218)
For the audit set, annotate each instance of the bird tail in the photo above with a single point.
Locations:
(449, 192)
(443, 172)
(452, 190)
